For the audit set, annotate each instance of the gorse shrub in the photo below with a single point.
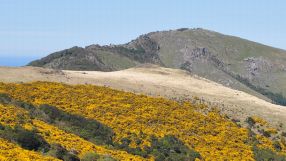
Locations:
(68, 146)
(10, 151)
(130, 126)
(89, 129)
(86, 128)
(166, 148)
(129, 114)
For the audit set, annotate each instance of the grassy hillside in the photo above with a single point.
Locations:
(223, 59)
(234, 62)
(85, 121)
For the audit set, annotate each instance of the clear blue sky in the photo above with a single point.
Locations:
(31, 29)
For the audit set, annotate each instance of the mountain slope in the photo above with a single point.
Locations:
(80, 120)
(229, 60)
(138, 127)
(234, 62)
(157, 81)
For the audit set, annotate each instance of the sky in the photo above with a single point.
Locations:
(32, 29)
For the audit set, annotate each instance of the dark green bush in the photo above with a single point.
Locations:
(267, 155)
(277, 146)
(60, 152)
(86, 128)
(26, 139)
(4, 98)
(167, 148)
(2, 127)
(266, 133)
(250, 121)
(172, 149)
(92, 156)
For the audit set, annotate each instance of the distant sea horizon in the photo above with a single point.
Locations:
(16, 61)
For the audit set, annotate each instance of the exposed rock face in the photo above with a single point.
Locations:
(256, 66)
(147, 48)
(218, 57)
(196, 54)
(200, 56)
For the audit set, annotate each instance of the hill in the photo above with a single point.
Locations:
(50, 121)
(157, 81)
(234, 62)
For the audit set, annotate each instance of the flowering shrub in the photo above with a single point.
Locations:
(11, 115)
(50, 133)
(212, 135)
(74, 143)
(10, 151)
(259, 120)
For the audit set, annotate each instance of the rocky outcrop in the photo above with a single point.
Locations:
(202, 56)
(255, 66)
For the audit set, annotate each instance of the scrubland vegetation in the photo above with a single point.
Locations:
(87, 122)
